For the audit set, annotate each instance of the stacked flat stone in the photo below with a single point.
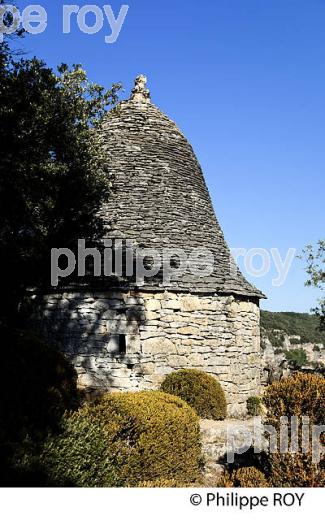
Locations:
(160, 198)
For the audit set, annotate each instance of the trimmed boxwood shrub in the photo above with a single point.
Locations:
(200, 390)
(121, 440)
(153, 435)
(295, 470)
(242, 477)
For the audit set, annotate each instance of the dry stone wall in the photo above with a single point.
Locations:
(131, 340)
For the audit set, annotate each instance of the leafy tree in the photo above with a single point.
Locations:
(53, 173)
(315, 269)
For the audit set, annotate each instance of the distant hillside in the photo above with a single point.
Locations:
(293, 324)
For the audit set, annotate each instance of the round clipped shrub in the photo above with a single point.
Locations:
(153, 436)
(200, 390)
(249, 477)
(253, 405)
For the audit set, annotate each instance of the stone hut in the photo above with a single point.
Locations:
(130, 332)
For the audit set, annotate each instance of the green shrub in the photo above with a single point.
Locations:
(297, 356)
(249, 477)
(298, 395)
(224, 481)
(295, 470)
(254, 406)
(81, 455)
(242, 477)
(200, 390)
(302, 395)
(120, 440)
(152, 436)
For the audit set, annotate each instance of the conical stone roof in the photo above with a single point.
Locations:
(160, 199)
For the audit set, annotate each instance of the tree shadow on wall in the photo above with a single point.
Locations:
(88, 327)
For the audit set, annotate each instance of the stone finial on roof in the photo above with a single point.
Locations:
(140, 93)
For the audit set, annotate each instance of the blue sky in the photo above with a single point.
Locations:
(245, 81)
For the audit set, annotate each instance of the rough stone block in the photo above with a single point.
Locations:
(159, 345)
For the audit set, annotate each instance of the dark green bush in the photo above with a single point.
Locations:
(200, 390)
(295, 341)
(276, 338)
(254, 406)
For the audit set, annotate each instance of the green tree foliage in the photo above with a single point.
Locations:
(292, 323)
(314, 257)
(53, 173)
